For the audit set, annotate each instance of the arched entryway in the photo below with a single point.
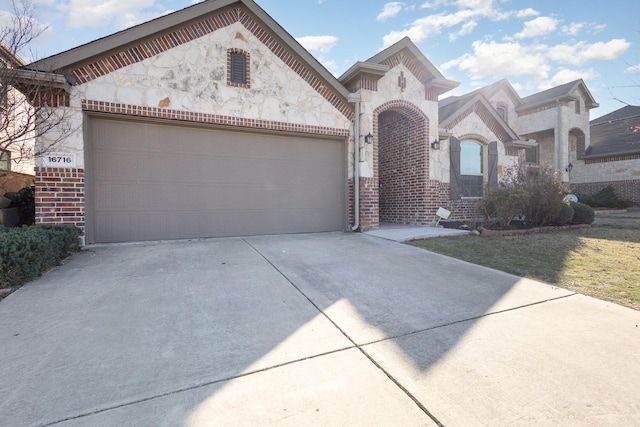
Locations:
(576, 144)
(403, 163)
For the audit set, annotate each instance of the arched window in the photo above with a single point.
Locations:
(471, 169)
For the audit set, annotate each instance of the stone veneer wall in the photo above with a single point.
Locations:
(626, 190)
(60, 196)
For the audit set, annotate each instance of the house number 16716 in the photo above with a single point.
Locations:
(60, 160)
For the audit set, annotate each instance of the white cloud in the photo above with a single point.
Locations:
(536, 62)
(433, 4)
(389, 10)
(566, 75)
(538, 27)
(466, 29)
(633, 69)
(582, 52)
(490, 59)
(573, 28)
(477, 5)
(525, 13)
(103, 13)
(321, 44)
(422, 28)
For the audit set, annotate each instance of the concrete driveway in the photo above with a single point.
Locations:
(323, 329)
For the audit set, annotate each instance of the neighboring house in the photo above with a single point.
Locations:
(612, 158)
(214, 121)
(16, 168)
(493, 129)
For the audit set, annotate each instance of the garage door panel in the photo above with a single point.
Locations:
(154, 181)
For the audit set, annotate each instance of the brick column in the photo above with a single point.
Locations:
(60, 196)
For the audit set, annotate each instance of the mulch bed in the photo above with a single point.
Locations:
(488, 232)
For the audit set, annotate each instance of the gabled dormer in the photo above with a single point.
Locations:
(575, 92)
(365, 75)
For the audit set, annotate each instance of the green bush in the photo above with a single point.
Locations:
(605, 198)
(545, 192)
(27, 252)
(584, 214)
(566, 215)
(503, 203)
(26, 203)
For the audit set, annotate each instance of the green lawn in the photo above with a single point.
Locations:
(602, 261)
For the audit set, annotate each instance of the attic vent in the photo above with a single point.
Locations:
(238, 68)
(238, 64)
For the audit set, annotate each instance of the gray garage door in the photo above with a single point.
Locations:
(153, 180)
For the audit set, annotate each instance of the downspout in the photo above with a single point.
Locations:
(354, 98)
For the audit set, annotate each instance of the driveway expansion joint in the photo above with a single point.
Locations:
(355, 345)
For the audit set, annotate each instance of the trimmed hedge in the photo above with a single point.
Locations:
(27, 252)
(583, 213)
(605, 198)
(566, 215)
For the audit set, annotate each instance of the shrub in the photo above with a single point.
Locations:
(503, 203)
(27, 252)
(545, 192)
(26, 203)
(584, 214)
(566, 215)
(605, 198)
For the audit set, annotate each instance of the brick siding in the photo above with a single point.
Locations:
(626, 190)
(369, 210)
(402, 170)
(60, 196)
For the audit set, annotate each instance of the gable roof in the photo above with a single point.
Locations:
(451, 104)
(407, 53)
(560, 93)
(617, 133)
(626, 111)
(7, 55)
(452, 111)
(150, 38)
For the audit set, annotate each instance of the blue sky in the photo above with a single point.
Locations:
(534, 44)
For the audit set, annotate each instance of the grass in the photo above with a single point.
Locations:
(602, 261)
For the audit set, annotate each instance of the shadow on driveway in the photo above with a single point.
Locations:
(318, 329)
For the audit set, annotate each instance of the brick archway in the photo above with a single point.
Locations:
(401, 163)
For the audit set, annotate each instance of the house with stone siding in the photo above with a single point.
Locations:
(612, 157)
(214, 121)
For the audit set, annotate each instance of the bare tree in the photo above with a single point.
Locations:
(29, 99)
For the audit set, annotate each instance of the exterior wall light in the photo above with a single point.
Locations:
(435, 144)
(569, 167)
(368, 139)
